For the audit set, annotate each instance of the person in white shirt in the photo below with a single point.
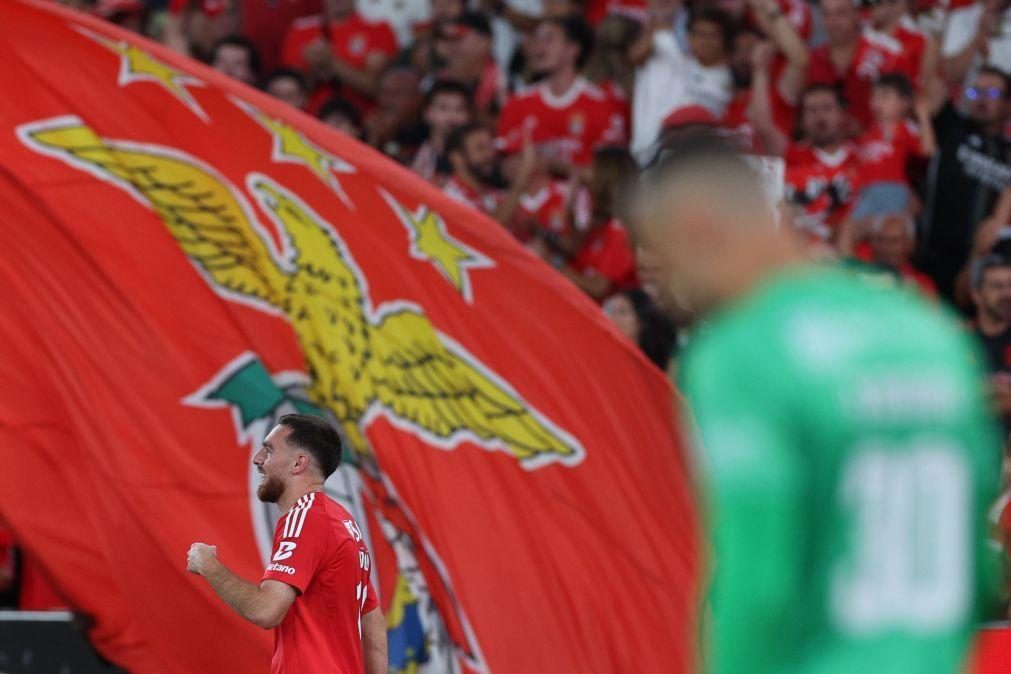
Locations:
(669, 77)
(974, 36)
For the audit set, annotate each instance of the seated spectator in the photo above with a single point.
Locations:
(600, 260)
(970, 172)
(852, 59)
(976, 34)
(889, 242)
(341, 53)
(822, 170)
(609, 66)
(287, 85)
(394, 126)
(470, 63)
(128, 14)
(991, 293)
(888, 145)
(669, 76)
(919, 50)
(342, 115)
(447, 106)
(565, 114)
(236, 57)
(634, 314)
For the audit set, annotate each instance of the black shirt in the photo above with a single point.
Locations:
(998, 351)
(967, 174)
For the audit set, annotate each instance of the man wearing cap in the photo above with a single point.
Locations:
(471, 62)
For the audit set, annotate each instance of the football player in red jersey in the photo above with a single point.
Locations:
(316, 590)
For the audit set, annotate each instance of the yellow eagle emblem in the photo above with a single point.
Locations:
(362, 361)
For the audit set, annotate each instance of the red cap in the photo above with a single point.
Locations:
(687, 115)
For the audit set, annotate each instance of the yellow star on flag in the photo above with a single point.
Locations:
(293, 147)
(136, 65)
(430, 242)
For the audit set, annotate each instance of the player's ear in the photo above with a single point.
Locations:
(301, 463)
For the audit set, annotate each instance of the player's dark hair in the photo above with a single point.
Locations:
(448, 87)
(997, 72)
(822, 87)
(458, 136)
(242, 43)
(285, 74)
(898, 83)
(314, 435)
(724, 21)
(980, 267)
(577, 31)
(341, 107)
(683, 156)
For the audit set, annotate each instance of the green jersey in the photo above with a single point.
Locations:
(847, 462)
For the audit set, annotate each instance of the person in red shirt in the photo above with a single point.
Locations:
(316, 590)
(472, 63)
(887, 146)
(920, 55)
(472, 155)
(566, 115)
(599, 260)
(851, 58)
(822, 169)
(888, 241)
(780, 68)
(342, 53)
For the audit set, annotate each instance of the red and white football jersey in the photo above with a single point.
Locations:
(823, 183)
(319, 551)
(548, 208)
(875, 55)
(486, 201)
(885, 150)
(565, 128)
(607, 252)
(736, 122)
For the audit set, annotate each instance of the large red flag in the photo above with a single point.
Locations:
(184, 259)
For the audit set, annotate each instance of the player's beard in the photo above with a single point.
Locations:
(270, 490)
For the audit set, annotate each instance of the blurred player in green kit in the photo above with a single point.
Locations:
(846, 457)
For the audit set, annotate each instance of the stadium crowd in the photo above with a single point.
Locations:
(890, 123)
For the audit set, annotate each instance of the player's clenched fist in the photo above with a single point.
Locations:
(199, 555)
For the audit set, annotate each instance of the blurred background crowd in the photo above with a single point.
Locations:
(889, 121)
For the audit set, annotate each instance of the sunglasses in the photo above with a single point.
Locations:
(975, 93)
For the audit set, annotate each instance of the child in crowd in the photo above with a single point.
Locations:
(888, 144)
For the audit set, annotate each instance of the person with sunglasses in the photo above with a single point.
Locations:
(968, 173)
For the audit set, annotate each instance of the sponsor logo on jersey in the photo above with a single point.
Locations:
(284, 550)
(281, 568)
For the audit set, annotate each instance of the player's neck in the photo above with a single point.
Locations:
(296, 491)
(560, 81)
(756, 263)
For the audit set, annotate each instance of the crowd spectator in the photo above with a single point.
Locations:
(236, 57)
(852, 58)
(341, 115)
(566, 115)
(341, 53)
(634, 314)
(976, 34)
(822, 169)
(991, 293)
(394, 125)
(287, 85)
(470, 62)
(969, 172)
(888, 145)
(671, 75)
(919, 50)
(447, 106)
(887, 241)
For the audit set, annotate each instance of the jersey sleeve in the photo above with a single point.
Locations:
(384, 40)
(371, 602)
(300, 549)
(752, 481)
(292, 49)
